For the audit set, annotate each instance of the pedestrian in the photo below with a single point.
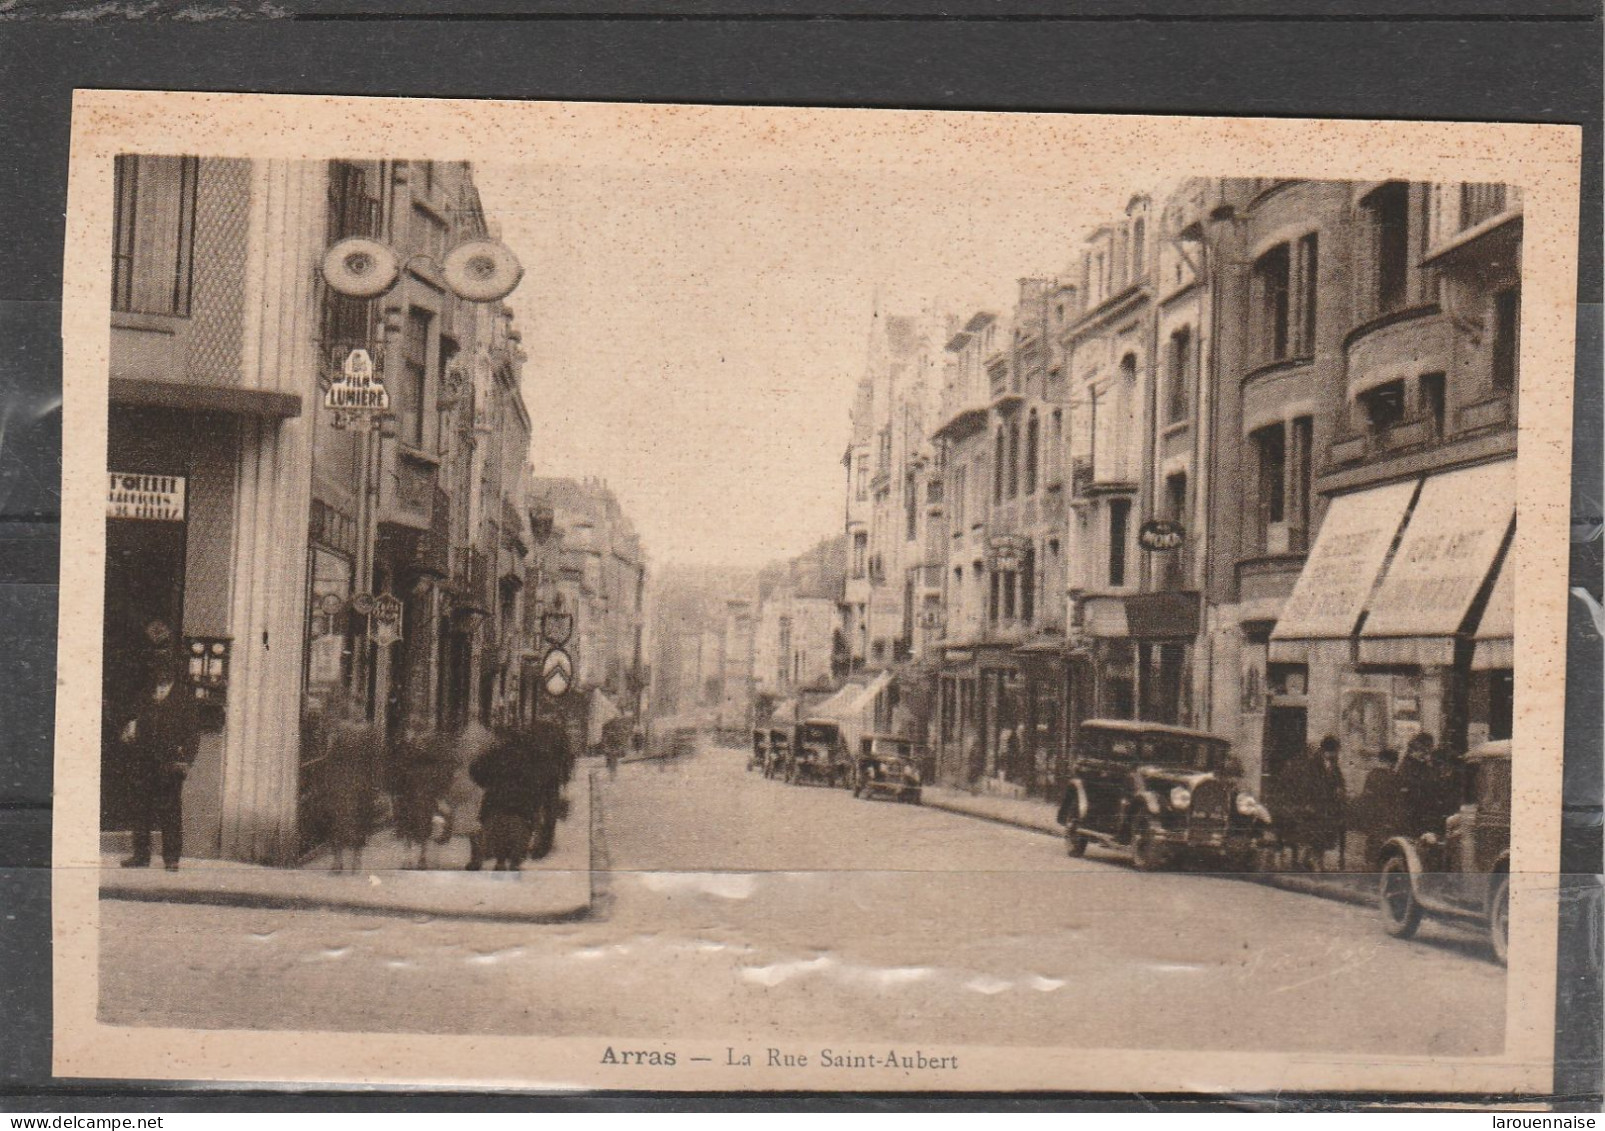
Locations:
(1377, 811)
(1329, 797)
(1422, 792)
(423, 770)
(510, 774)
(157, 743)
(351, 782)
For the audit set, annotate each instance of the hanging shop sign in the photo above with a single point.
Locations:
(387, 609)
(556, 628)
(557, 673)
(146, 498)
(358, 399)
(1161, 534)
(362, 604)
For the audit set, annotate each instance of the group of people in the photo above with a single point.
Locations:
(1401, 796)
(501, 787)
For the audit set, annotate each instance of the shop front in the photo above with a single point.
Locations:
(1380, 633)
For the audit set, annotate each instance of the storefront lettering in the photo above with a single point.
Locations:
(149, 498)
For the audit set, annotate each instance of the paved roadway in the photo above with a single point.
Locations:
(734, 904)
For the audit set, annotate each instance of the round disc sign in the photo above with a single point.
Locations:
(557, 673)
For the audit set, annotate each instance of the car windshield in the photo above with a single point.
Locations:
(816, 732)
(1178, 750)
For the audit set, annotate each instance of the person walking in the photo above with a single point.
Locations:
(158, 746)
(1421, 788)
(423, 769)
(1329, 803)
(510, 776)
(351, 783)
(1377, 811)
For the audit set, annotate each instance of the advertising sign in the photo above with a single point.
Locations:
(146, 498)
(358, 399)
(557, 673)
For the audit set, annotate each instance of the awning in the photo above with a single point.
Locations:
(190, 397)
(1341, 570)
(1459, 525)
(848, 704)
(1496, 635)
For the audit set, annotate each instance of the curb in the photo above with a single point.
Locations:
(1282, 881)
(112, 889)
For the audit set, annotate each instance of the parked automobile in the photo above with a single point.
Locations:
(778, 756)
(1463, 871)
(759, 754)
(1159, 791)
(819, 754)
(886, 767)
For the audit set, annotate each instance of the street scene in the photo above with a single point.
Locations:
(1089, 624)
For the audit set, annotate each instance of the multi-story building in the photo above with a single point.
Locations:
(1367, 373)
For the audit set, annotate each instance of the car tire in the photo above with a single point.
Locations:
(1146, 852)
(1075, 845)
(1499, 918)
(1396, 898)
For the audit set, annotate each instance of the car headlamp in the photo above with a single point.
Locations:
(1181, 797)
(1246, 805)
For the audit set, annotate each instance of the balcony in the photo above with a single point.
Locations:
(1403, 343)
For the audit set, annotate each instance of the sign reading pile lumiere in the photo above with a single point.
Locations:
(477, 270)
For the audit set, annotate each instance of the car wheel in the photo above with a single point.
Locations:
(1396, 898)
(1499, 918)
(1074, 843)
(1146, 852)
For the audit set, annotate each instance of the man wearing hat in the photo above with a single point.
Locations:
(158, 744)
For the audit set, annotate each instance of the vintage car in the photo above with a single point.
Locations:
(779, 752)
(819, 755)
(886, 767)
(759, 754)
(1461, 872)
(1159, 791)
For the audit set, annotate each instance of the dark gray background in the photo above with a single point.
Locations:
(1538, 60)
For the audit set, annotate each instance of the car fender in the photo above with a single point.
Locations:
(1151, 800)
(1083, 807)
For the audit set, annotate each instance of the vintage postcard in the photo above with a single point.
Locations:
(679, 597)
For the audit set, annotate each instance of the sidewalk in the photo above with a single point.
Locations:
(1037, 815)
(555, 889)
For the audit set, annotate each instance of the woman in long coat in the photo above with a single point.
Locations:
(351, 783)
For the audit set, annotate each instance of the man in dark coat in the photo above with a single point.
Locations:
(1422, 788)
(1378, 811)
(158, 744)
(515, 782)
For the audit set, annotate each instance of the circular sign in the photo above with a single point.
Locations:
(362, 604)
(557, 673)
(1161, 534)
(361, 268)
(330, 604)
(482, 270)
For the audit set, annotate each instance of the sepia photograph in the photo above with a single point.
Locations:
(563, 595)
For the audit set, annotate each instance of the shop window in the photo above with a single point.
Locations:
(1432, 402)
(1271, 278)
(1388, 209)
(1507, 339)
(1119, 521)
(1179, 374)
(153, 234)
(1033, 443)
(1383, 406)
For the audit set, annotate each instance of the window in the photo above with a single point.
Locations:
(1180, 374)
(428, 235)
(1479, 202)
(1389, 208)
(1270, 447)
(1383, 406)
(1028, 585)
(997, 469)
(1271, 293)
(1507, 339)
(959, 488)
(911, 507)
(1306, 278)
(861, 488)
(860, 550)
(1432, 402)
(1014, 459)
(153, 235)
(1119, 521)
(415, 378)
(992, 607)
(352, 212)
(1302, 465)
(1011, 581)
(1138, 248)
(1056, 448)
(1033, 431)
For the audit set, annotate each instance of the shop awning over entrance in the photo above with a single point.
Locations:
(1341, 570)
(205, 398)
(1496, 635)
(851, 702)
(1459, 527)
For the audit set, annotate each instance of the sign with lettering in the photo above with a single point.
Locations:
(1161, 534)
(557, 673)
(358, 399)
(386, 609)
(146, 498)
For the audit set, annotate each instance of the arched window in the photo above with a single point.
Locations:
(997, 468)
(1032, 444)
(1137, 248)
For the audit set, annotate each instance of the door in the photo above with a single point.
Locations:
(1285, 741)
(144, 610)
(1105, 764)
